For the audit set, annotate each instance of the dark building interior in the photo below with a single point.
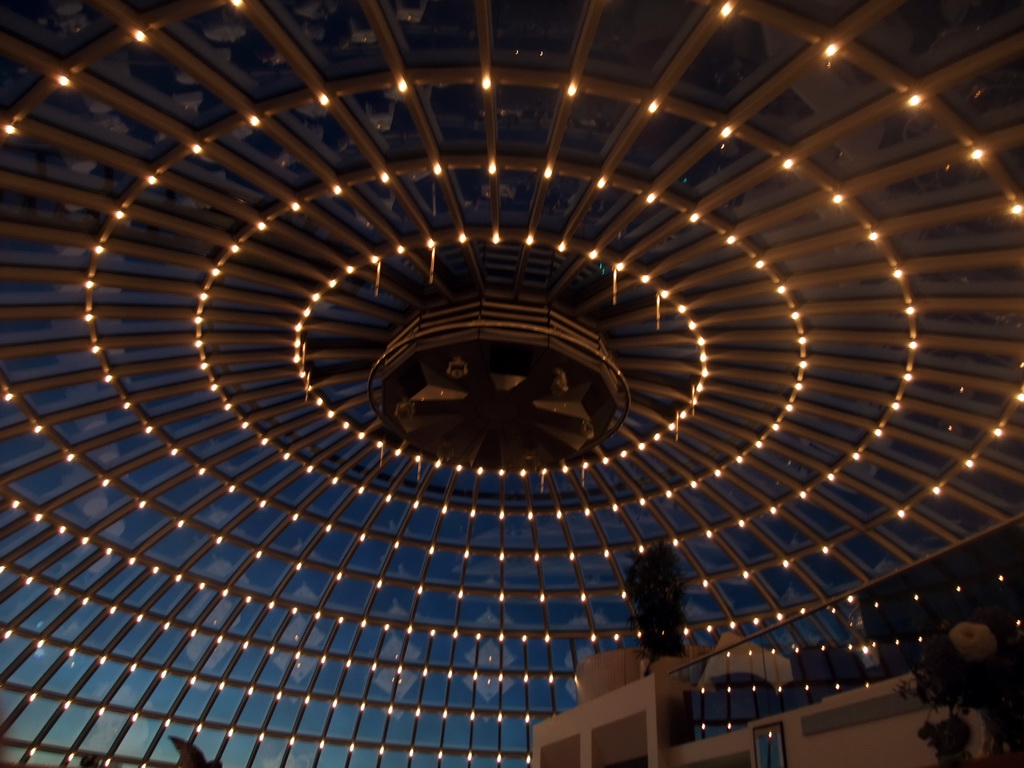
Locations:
(349, 349)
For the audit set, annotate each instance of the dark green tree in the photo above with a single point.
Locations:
(654, 588)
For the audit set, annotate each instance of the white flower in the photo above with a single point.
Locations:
(975, 642)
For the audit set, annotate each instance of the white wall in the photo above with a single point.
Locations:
(890, 742)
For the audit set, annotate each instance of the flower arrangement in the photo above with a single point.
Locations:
(978, 664)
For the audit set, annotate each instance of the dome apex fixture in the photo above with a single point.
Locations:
(498, 386)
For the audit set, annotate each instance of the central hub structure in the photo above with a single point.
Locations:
(498, 386)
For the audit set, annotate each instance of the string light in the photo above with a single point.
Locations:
(592, 255)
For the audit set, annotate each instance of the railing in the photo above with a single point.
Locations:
(861, 639)
(730, 688)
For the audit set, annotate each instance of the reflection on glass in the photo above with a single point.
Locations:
(769, 747)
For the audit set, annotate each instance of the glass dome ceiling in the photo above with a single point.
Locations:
(796, 228)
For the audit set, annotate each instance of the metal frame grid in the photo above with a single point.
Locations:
(798, 235)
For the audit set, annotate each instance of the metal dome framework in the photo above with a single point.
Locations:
(800, 238)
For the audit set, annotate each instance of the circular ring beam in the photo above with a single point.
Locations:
(791, 233)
